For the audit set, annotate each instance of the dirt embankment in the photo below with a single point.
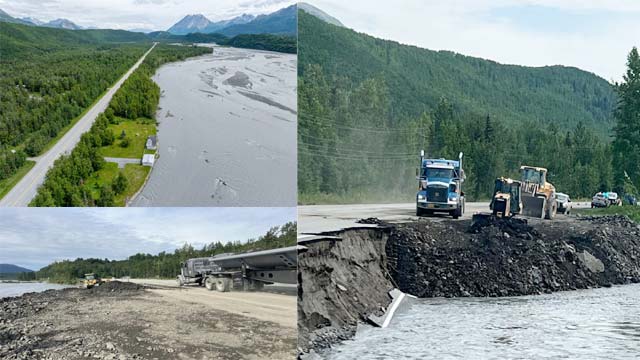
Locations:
(340, 282)
(125, 321)
(444, 258)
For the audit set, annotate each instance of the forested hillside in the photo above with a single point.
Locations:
(68, 181)
(164, 264)
(368, 106)
(48, 77)
(279, 43)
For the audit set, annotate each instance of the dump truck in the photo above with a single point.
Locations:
(248, 271)
(440, 186)
(538, 195)
(506, 200)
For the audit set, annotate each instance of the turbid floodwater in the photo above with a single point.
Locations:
(585, 324)
(227, 131)
(16, 289)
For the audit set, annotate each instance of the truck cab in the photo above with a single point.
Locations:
(440, 187)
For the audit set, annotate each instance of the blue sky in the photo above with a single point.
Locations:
(35, 237)
(136, 14)
(594, 35)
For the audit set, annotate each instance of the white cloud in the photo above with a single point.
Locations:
(35, 237)
(593, 35)
(132, 14)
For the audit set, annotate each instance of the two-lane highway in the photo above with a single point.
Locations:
(26, 189)
(313, 219)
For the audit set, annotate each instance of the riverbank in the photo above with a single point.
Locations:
(129, 321)
(445, 258)
(16, 288)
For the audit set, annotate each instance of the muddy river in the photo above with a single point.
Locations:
(227, 131)
(587, 324)
(17, 289)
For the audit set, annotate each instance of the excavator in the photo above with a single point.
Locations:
(538, 195)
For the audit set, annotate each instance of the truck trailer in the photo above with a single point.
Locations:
(247, 271)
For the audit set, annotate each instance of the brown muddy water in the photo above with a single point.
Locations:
(227, 131)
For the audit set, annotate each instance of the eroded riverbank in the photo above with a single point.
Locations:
(227, 131)
(444, 258)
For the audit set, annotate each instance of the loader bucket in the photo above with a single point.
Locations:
(533, 206)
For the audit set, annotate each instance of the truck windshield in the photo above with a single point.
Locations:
(437, 173)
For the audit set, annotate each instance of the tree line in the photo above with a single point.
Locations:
(362, 123)
(48, 77)
(164, 264)
(65, 182)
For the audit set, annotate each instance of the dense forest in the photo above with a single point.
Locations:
(626, 146)
(418, 78)
(164, 264)
(279, 43)
(368, 106)
(65, 183)
(47, 78)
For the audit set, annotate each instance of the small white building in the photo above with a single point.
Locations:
(148, 159)
(152, 142)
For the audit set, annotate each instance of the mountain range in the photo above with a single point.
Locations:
(12, 269)
(57, 23)
(281, 22)
(199, 23)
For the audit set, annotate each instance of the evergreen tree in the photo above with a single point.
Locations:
(627, 130)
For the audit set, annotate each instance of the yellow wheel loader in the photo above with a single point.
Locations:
(91, 280)
(506, 200)
(538, 195)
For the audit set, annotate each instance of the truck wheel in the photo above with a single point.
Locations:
(419, 211)
(457, 213)
(257, 285)
(223, 284)
(209, 283)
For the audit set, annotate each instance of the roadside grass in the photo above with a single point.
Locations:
(102, 177)
(136, 131)
(135, 174)
(633, 212)
(7, 184)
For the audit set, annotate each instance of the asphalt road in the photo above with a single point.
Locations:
(315, 219)
(26, 189)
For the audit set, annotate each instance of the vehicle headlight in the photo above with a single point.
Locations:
(453, 196)
(421, 197)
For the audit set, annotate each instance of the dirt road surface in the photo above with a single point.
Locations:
(325, 218)
(273, 304)
(26, 189)
(127, 321)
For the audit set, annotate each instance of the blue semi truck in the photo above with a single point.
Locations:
(440, 187)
